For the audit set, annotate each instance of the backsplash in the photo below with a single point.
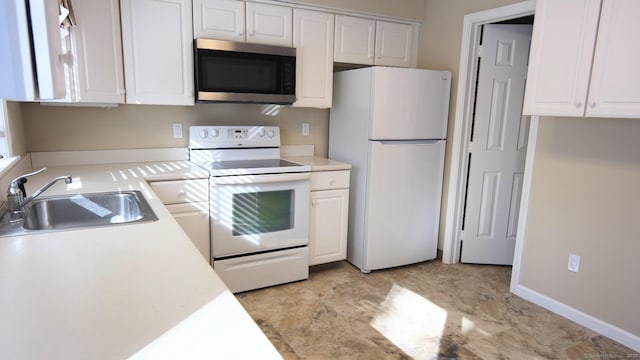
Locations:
(64, 128)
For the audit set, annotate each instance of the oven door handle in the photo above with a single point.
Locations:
(259, 179)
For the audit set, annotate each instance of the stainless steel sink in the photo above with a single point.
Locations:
(82, 210)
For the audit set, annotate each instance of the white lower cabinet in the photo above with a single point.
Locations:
(194, 220)
(329, 216)
(188, 202)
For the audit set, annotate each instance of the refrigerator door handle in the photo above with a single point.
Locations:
(424, 141)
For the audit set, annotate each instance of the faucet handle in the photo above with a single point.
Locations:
(21, 182)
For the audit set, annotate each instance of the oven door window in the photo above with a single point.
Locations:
(262, 212)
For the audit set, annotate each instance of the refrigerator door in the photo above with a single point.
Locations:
(404, 190)
(409, 103)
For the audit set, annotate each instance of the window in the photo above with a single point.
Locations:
(6, 157)
(5, 139)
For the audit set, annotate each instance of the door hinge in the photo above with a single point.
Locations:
(461, 235)
(470, 147)
(479, 51)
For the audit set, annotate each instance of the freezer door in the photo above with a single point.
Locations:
(409, 103)
(403, 203)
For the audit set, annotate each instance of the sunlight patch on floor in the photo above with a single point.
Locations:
(412, 323)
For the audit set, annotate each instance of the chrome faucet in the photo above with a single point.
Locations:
(17, 198)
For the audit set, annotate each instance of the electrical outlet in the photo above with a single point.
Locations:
(574, 263)
(177, 130)
(305, 129)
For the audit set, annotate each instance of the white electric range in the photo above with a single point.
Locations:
(259, 205)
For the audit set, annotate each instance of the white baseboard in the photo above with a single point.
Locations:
(613, 332)
(94, 157)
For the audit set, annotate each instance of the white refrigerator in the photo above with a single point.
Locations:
(391, 125)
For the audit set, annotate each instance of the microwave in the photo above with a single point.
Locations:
(227, 71)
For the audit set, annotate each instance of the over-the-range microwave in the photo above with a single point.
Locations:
(228, 71)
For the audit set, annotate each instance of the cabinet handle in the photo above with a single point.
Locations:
(332, 181)
(593, 104)
(579, 104)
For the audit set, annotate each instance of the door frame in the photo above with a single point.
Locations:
(467, 75)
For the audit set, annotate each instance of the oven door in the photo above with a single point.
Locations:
(255, 213)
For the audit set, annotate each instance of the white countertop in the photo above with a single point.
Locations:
(319, 163)
(141, 291)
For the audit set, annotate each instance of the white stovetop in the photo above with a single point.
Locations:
(141, 291)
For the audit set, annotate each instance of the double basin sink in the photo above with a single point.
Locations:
(68, 212)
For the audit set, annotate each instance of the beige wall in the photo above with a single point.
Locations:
(57, 128)
(585, 200)
(16, 128)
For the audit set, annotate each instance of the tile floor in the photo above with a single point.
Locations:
(424, 311)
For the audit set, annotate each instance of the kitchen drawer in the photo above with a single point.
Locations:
(325, 180)
(181, 191)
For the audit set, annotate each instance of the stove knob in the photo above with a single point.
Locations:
(204, 133)
(261, 133)
(270, 133)
(215, 133)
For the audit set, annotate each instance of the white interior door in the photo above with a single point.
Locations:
(498, 147)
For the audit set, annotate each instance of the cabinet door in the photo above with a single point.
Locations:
(157, 39)
(562, 44)
(328, 227)
(614, 90)
(97, 47)
(194, 220)
(219, 19)
(269, 24)
(313, 40)
(394, 44)
(354, 40)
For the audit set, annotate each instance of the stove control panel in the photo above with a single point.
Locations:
(216, 137)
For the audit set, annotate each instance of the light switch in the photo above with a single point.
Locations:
(305, 129)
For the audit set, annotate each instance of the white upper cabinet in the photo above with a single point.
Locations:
(229, 20)
(394, 44)
(615, 77)
(354, 40)
(219, 19)
(374, 42)
(269, 24)
(157, 39)
(97, 47)
(571, 73)
(313, 39)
